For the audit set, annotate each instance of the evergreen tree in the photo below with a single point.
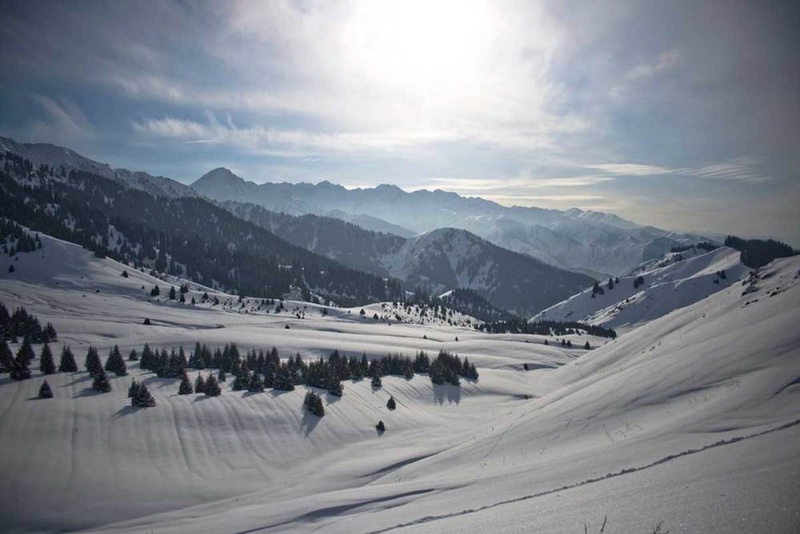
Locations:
(143, 398)
(200, 384)
(391, 404)
(186, 385)
(380, 427)
(25, 353)
(221, 376)
(101, 382)
(115, 363)
(133, 389)
(256, 385)
(45, 392)
(133, 356)
(241, 381)
(587, 346)
(172, 293)
(67, 362)
(212, 388)
(335, 386)
(155, 291)
(93, 364)
(20, 370)
(6, 357)
(313, 403)
(376, 382)
(46, 363)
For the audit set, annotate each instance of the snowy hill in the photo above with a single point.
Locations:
(683, 420)
(665, 284)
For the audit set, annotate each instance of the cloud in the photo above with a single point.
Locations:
(630, 169)
(63, 123)
(741, 169)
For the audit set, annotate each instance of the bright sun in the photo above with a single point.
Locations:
(420, 46)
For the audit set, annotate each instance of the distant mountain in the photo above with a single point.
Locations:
(438, 261)
(187, 236)
(594, 243)
(654, 289)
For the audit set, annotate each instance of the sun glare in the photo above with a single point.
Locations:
(418, 46)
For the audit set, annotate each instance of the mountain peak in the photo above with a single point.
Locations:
(219, 175)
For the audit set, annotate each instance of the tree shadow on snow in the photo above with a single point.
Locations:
(5, 380)
(277, 392)
(35, 398)
(87, 392)
(125, 410)
(77, 381)
(154, 381)
(309, 422)
(446, 391)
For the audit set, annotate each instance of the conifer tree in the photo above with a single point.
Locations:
(25, 353)
(186, 385)
(67, 362)
(6, 357)
(335, 386)
(587, 346)
(376, 381)
(200, 384)
(221, 376)
(380, 427)
(143, 398)
(101, 382)
(212, 388)
(391, 404)
(241, 381)
(133, 389)
(256, 385)
(45, 392)
(172, 293)
(133, 356)
(46, 363)
(115, 363)
(313, 403)
(93, 364)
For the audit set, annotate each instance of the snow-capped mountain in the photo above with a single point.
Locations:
(653, 290)
(591, 242)
(57, 157)
(437, 261)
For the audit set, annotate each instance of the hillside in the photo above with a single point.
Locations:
(625, 420)
(442, 260)
(664, 284)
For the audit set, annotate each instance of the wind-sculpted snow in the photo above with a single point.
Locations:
(586, 433)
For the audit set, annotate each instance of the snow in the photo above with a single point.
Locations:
(670, 282)
(689, 418)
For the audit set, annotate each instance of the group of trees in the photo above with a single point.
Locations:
(140, 396)
(449, 367)
(14, 238)
(638, 281)
(545, 328)
(759, 252)
(704, 245)
(21, 324)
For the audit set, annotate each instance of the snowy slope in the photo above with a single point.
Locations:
(673, 281)
(588, 432)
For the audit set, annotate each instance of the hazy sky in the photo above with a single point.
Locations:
(680, 114)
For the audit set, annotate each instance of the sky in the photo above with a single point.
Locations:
(684, 115)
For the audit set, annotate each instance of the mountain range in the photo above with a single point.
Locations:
(593, 243)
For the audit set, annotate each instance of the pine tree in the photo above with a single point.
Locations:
(93, 364)
(200, 384)
(155, 291)
(335, 386)
(133, 389)
(380, 427)
(133, 356)
(101, 382)
(6, 357)
(587, 346)
(186, 385)
(241, 381)
(46, 363)
(212, 388)
(45, 392)
(20, 370)
(391, 404)
(256, 385)
(313, 403)
(115, 363)
(25, 353)
(172, 293)
(67, 362)
(376, 382)
(143, 398)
